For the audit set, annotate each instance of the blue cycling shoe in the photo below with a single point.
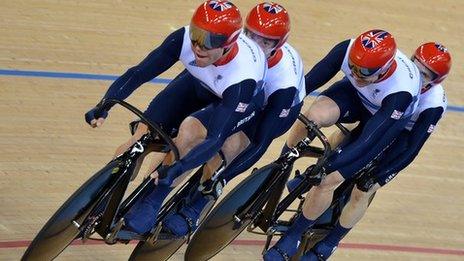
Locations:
(142, 216)
(320, 252)
(284, 249)
(185, 221)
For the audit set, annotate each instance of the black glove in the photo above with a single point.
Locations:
(95, 113)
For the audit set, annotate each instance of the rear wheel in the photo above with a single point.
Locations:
(60, 230)
(220, 228)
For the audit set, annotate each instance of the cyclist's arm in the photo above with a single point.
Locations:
(381, 126)
(277, 102)
(327, 68)
(418, 135)
(158, 61)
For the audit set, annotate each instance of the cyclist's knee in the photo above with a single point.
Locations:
(330, 182)
(191, 132)
(324, 112)
(359, 195)
(234, 145)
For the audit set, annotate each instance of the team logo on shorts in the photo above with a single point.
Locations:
(273, 8)
(397, 114)
(374, 38)
(220, 5)
(431, 128)
(241, 107)
(284, 113)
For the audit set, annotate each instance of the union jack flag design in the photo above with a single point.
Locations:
(431, 128)
(241, 107)
(374, 38)
(272, 8)
(220, 5)
(441, 48)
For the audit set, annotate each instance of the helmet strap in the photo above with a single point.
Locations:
(228, 54)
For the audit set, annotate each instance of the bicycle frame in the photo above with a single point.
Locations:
(111, 198)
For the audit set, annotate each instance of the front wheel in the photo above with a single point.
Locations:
(60, 230)
(220, 227)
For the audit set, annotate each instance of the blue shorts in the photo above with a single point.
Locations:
(250, 127)
(344, 94)
(281, 129)
(181, 97)
(400, 145)
(249, 117)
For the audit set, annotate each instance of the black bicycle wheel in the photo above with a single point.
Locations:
(219, 229)
(161, 250)
(60, 231)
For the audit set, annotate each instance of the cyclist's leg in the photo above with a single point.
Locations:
(330, 107)
(358, 203)
(171, 108)
(318, 199)
(185, 220)
(180, 98)
(353, 211)
(234, 145)
(323, 111)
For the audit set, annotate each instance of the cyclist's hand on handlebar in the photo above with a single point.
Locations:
(96, 116)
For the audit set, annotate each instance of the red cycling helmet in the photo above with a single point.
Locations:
(372, 53)
(215, 24)
(436, 58)
(269, 20)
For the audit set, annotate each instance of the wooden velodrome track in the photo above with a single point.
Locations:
(47, 150)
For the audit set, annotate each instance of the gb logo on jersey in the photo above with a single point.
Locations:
(284, 113)
(374, 38)
(396, 115)
(273, 8)
(241, 107)
(431, 128)
(220, 5)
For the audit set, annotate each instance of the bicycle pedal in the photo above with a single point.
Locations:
(111, 238)
(277, 229)
(125, 236)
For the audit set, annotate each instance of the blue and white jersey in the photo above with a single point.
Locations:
(288, 72)
(433, 98)
(405, 78)
(249, 63)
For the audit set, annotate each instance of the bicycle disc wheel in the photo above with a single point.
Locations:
(219, 228)
(60, 231)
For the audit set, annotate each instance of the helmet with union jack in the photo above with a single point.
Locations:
(372, 53)
(269, 20)
(436, 58)
(215, 24)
